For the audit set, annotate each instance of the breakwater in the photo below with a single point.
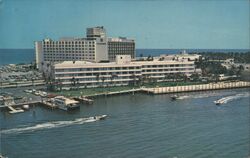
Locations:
(200, 87)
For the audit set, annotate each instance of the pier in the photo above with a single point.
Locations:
(130, 91)
(20, 104)
(13, 111)
(199, 87)
(84, 100)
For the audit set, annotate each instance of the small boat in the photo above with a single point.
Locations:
(174, 97)
(219, 102)
(26, 107)
(222, 100)
(1, 156)
(37, 93)
(101, 117)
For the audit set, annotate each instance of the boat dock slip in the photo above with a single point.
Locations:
(200, 87)
(13, 111)
(20, 104)
(84, 100)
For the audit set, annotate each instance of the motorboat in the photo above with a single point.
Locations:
(1, 156)
(220, 101)
(66, 103)
(101, 117)
(26, 107)
(174, 97)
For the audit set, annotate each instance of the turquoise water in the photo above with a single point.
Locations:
(138, 125)
(16, 56)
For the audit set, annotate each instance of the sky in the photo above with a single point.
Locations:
(164, 24)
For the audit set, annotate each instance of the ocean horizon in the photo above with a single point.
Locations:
(25, 56)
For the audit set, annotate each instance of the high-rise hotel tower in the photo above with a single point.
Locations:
(96, 47)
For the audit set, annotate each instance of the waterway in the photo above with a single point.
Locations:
(26, 56)
(138, 125)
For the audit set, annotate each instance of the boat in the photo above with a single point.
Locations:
(26, 107)
(217, 102)
(28, 90)
(1, 156)
(221, 101)
(101, 117)
(174, 97)
(66, 103)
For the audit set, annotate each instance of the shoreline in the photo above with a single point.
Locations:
(178, 89)
(200, 87)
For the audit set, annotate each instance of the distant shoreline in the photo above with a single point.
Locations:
(12, 56)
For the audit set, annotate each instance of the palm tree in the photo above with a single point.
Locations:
(97, 79)
(103, 79)
(134, 79)
(59, 83)
(112, 77)
(240, 69)
(195, 77)
(73, 82)
(32, 80)
(77, 83)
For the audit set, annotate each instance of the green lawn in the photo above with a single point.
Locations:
(92, 91)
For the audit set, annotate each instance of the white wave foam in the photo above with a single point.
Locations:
(49, 125)
(227, 99)
(196, 96)
(206, 95)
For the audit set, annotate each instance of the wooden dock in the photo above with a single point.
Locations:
(84, 100)
(13, 107)
(131, 91)
(13, 110)
(20, 104)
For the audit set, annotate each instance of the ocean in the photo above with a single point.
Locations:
(17, 56)
(137, 125)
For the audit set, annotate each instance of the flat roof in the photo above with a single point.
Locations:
(70, 64)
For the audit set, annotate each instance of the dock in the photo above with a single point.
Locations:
(124, 91)
(130, 91)
(19, 104)
(13, 111)
(84, 100)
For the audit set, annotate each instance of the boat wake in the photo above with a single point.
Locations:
(227, 99)
(49, 125)
(197, 96)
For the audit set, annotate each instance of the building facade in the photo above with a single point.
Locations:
(96, 47)
(120, 46)
(122, 72)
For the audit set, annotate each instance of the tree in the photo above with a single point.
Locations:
(239, 71)
(134, 79)
(112, 77)
(97, 76)
(103, 79)
(73, 82)
(195, 77)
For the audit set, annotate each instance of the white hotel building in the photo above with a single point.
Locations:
(121, 72)
(96, 47)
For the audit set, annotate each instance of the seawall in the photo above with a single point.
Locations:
(200, 87)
